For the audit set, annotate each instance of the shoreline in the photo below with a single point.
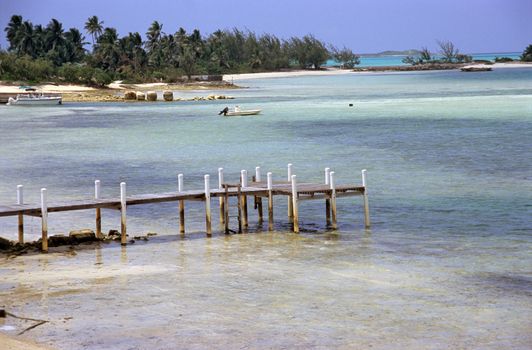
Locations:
(114, 91)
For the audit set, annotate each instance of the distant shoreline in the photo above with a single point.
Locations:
(114, 93)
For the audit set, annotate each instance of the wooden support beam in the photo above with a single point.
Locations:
(123, 204)
(270, 201)
(207, 205)
(333, 199)
(222, 198)
(294, 204)
(20, 201)
(226, 209)
(97, 195)
(44, 219)
(327, 201)
(290, 210)
(367, 221)
(258, 199)
(181, 205)
(239, 205)
(244, 182)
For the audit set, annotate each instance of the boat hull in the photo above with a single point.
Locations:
(243, 113)
(35, 101)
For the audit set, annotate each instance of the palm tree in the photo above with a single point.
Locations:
(12, 30)
(27, 40)
(74, 45)
(154, 35)
(54, 35)
(94, 27)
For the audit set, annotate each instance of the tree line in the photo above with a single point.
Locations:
(50, 52)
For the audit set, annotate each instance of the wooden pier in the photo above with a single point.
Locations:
(258, 189)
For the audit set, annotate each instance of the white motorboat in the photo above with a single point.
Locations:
(34, 99)
(238, 112)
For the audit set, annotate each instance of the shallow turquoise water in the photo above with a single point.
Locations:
(446, 264)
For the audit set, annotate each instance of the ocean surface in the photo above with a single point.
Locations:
(397, 60)
(447, 263)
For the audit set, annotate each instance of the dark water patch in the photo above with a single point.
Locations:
(518, 285)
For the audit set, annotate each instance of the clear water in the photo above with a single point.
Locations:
(446, 264)
(397, 60)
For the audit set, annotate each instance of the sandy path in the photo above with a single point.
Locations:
(10, 343)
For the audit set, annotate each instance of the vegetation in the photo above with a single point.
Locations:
(37, 53)
(527, 54)
(345, 57)
(448, 54)
(503, 59)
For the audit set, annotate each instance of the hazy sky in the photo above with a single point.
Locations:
(362, 25)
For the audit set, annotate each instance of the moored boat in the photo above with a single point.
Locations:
(37, 99)
(238, 112)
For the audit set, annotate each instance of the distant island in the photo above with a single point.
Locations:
(411, 52)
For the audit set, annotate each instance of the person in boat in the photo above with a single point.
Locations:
(224, 111)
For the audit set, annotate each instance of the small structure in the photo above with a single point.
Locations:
(476, 68)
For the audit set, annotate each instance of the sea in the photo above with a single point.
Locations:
(446, 264)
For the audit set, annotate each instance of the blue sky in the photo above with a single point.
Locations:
(364, 26)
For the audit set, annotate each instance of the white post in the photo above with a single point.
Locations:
(333, 198)
(270, 200)
(207, 204)
(180, 183)
(244, 178)
(294, 204)
(97, 195)
(123, 204)
(290, 209)
(327, 175)
(367, 221)
(44, 217)
(20, 201)
(20, 194)
(181, 205)
(257, 174)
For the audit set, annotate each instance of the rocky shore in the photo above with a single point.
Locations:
(417, 67)
(74, 238)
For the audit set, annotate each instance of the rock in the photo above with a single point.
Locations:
(478, 68)
(141, 96)
(151, 96)
(130, 95)
(85, 235)
(5, 244)
(168, 95)
(113, 233)
(149, 234)
(59, 240)
(2, 313)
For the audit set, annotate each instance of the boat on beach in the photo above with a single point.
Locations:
(34, 99)
(226, 112)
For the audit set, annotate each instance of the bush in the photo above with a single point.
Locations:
(527, 54)
(503, 59)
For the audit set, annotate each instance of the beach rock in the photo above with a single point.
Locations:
(151, 96)
(59, 240)
(168, 95)
(130, 96)
(2, 313)
(141, 96)
(5, 244)
(478, 68)
(113, 233)
(86, 235)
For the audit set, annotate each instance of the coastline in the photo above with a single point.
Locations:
(114, 91)
(15, 343)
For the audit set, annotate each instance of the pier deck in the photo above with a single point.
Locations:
(295, 192)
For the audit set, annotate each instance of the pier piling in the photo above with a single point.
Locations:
(207, 205)
(222, 199)
(181, 205)
(327, 200)
(270, 200)
(44, 219)
(97, 195)
(333, 199)
(367, 222)
(123, 203)
(290, 211)
(244, 182)
(20, 201)
(294, 204)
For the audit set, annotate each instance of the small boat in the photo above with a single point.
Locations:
(243, 112)
(239, 112)
(34, 99)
